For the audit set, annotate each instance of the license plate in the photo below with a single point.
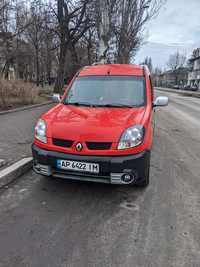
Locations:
(78, 166)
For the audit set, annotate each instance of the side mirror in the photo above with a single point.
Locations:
(56, 98)
(161, 101)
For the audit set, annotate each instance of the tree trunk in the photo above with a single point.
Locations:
(123, 54)
(103, 31)
(48, 67)
(37, 73)
(75, 60)
(61, 69)
(123, 57)
(63, 49)
(37, 67)
(89, 54)
(6, 69)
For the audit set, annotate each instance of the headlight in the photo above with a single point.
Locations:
(40, 131)
(132, 137)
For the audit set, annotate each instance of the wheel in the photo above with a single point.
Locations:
(145, 181)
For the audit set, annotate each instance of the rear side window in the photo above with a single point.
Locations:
(105, 90)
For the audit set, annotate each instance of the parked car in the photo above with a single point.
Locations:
(194, 88)
(191, 88)
(102, 128)
(176, 87)
(186, 87)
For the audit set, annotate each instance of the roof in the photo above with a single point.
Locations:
(180, 69)
(112, 69)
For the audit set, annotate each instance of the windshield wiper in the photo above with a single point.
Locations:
(116, 105)
(86, 104)
(111, 105)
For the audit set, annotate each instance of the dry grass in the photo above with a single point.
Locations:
(46, 90)
(18, 93)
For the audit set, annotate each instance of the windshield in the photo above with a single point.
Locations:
(107, 91)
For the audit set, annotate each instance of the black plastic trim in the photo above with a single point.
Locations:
(108, 164)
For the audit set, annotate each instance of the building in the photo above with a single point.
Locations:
(194, 74)
(172, 77)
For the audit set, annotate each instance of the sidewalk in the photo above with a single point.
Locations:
(16, 133)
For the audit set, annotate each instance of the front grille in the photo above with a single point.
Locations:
(98, 145)
(62, 142)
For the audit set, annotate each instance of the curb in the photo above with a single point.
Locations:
(181, 92)
(12, 172)
(25, 108)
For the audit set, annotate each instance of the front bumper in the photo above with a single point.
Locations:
(112, 169)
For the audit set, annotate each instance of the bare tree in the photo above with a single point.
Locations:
(148, 62)
(129, 19)
(89, 40)
(35, 35)
(176, 61)
(103, 23)
(120, 24)
(12, 25)
(156, 76)
(66, 34)
(27, 29)
(48, 44)
(6, 44)
(73, 22)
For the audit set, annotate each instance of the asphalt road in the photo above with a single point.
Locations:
(16, 133)
(52, 222)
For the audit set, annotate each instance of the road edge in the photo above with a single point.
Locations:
(25, 108)
(180, 92)
(14, 171)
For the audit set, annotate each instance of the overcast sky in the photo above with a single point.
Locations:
(177, 27)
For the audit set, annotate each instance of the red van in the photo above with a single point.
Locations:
(102, 128)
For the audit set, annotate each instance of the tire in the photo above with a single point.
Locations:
(145, 181)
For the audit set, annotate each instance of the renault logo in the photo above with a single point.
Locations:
(79, 147)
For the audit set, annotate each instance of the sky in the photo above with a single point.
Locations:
(175, 28)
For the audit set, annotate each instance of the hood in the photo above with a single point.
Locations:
(91, 124)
